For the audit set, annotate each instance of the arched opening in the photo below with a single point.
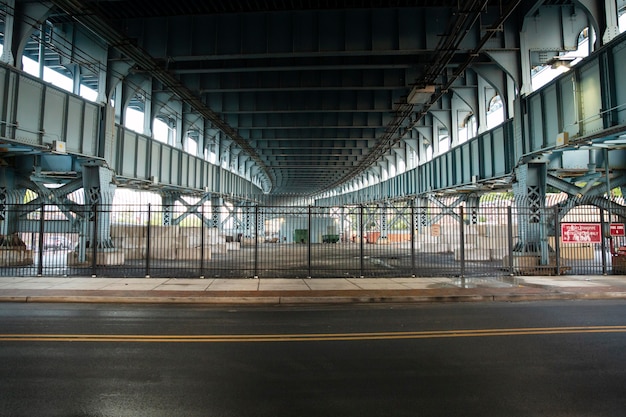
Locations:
(133, 119)
(557, 65)
(160, 130)
(468, 128)
(495, 112)
(444, 140)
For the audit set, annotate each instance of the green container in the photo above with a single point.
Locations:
(301, 236)
(330, 238)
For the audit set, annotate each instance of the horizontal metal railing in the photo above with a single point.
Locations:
(321, 242)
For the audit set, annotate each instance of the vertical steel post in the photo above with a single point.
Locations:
(557, 239)
(607, 178)
(94, 241)
(462, 242)
(509, 220)
(412, 229)
(309, 243)
(148, 242)
(361, 248)
(202, 226)
(256, 241)
(41, 240)
(603, 244)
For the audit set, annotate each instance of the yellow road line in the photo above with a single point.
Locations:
(434, 334)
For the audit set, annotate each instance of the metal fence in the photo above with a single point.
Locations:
(318, 242)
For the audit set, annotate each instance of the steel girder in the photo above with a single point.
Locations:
(291, 83)
(346, 72)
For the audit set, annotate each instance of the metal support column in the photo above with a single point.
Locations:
(384, 228)
(99, 192)
(217, 204)
(10, 198)
(168, 203)
(530, 194)
(473, 206)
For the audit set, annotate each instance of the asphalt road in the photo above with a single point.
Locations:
(496, 359)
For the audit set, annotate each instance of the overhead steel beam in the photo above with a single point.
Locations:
(83, 13)
(457, 30)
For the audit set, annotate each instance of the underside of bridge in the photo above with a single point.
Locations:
(316, 92)
(301, 97)
(225, 106)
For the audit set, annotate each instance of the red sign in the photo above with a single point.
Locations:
(581, 233)
(617, 229)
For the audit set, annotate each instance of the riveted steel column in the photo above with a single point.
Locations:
(530, 193)
(99, 192)
(383, 220)
(168, 202)
(216, 207)
(473, 204)
(10, 197)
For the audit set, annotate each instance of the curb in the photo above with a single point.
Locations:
(312, 300)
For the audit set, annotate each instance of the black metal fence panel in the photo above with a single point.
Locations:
(318, 242)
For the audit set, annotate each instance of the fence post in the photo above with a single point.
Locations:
(202, 225)
(41, 240)
(412, 229)
(256, 241)
(603, 244)
(361, 248)
(509, 220)
(148, 240)
(309, 243)
(462, 242)
(94, 241)
(557, 239)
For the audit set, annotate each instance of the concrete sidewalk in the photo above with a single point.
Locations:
(301, 291)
